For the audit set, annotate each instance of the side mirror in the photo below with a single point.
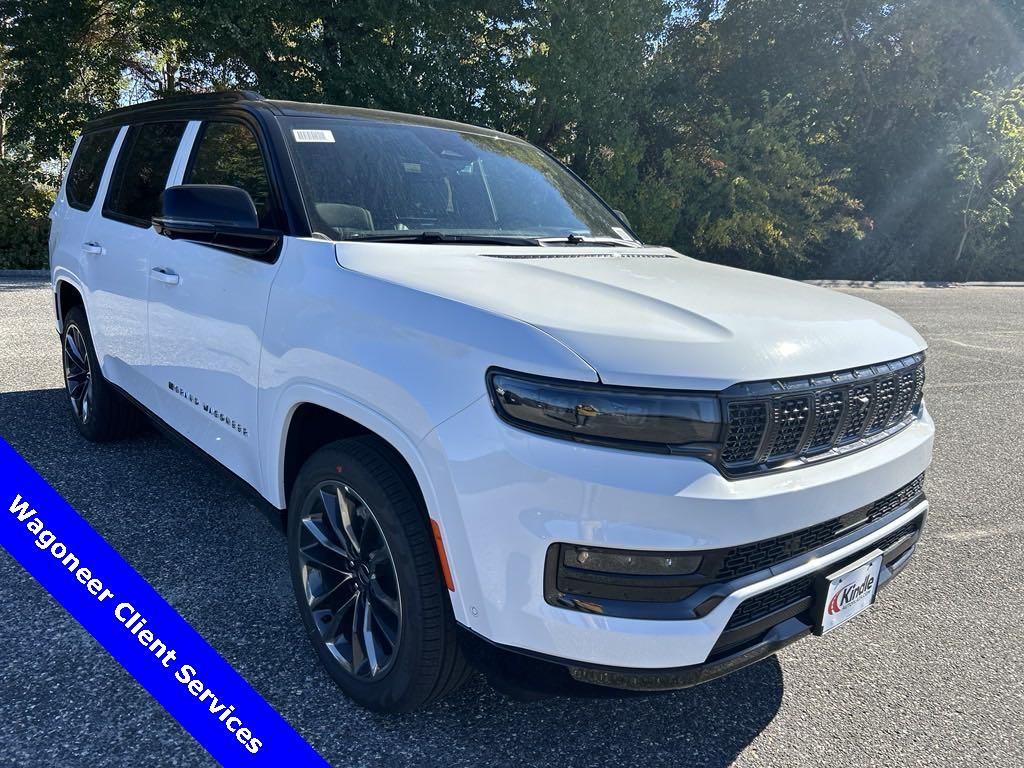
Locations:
(622, 217)
(216, 215)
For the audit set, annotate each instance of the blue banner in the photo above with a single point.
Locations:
(138, 627)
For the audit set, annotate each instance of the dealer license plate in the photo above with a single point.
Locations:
(849, 591)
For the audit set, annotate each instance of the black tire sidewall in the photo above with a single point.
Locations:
(394, 689)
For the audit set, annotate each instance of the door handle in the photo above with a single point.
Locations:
(93, 249)
(164, 275)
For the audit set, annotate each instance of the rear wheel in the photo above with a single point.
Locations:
(100, 412)
(367, 579)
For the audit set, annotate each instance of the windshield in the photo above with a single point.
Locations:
(367, 178)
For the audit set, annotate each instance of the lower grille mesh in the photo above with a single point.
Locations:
(749, 558)
(792, 592)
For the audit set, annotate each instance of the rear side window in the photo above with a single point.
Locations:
(228, 153)
(140, 175)
(87, 168)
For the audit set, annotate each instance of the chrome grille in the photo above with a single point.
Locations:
(777, 424)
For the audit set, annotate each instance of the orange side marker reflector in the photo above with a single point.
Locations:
(442, 556)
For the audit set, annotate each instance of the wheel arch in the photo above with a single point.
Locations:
(311, 417)
(67, 293)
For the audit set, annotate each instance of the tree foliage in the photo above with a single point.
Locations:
(838, 138)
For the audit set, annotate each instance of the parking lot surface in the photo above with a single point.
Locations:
(933, 675)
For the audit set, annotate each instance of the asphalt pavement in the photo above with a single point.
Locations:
(933, 675)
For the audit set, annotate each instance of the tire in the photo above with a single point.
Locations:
(100, 412)
(356, 495)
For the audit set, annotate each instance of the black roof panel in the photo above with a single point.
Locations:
(305, 109)
(191, 103)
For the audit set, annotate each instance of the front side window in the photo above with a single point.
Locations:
(228, 153)
(87, 168)
(362, 177)
(140, 175)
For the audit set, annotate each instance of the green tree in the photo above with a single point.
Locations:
(988, 164)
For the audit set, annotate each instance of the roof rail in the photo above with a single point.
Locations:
(179, 100)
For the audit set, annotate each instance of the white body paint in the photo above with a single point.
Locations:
(398, 337)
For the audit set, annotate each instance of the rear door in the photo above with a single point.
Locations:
(71, 253)
(207, 309)
(121, 241)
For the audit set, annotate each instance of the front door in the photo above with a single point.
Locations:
(206, 312)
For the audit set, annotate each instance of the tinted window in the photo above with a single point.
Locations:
(228, 153)
(141, 172)
(363, 177)
(87, 168)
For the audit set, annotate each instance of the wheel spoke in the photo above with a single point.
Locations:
(75, 368)
(388, 602)
(319, 601)
(333, 529)
(345, 511)
(77, 388)
(369, 641)
(385, 629)
(322, 552)
(74, 352)
(358, 649)
(330, 634)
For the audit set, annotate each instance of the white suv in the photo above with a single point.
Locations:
(502, 428)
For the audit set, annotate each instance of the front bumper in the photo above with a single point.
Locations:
(505, 496)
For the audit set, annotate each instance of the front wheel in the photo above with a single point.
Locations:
(367, 579)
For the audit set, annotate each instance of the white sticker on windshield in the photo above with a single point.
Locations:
(310, 135)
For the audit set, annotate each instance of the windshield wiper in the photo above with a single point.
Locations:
(439, 237)
(573, 239)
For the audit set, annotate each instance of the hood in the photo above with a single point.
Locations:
(651, 317)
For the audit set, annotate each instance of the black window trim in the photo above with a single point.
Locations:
(275, 209)
(260, 116)
(110, 153)
(108, 213)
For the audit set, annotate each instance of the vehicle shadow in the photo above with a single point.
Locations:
(215, 555)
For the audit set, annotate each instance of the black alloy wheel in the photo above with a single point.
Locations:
(349, 580)
(77, 373)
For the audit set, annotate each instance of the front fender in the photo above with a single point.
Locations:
(438, 496)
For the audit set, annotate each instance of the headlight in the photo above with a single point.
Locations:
(644, 419)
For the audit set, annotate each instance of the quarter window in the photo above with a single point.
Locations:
(228, 153)
(87, 168)
(141, 172)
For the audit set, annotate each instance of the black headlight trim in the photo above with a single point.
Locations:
(704, 449)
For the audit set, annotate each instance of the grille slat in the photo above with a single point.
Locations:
(790, 418)
(746, 428)
(885, 396)
(859, 401)
(775, 423)
(828, 412)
